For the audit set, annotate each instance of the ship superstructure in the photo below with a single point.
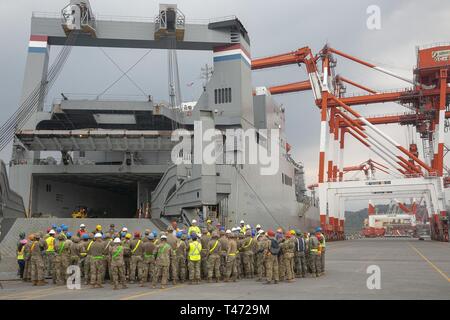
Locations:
(117, 157)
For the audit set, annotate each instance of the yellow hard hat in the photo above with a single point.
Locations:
(292, 232)
(209, 221)
(128, 236)
(98, 227)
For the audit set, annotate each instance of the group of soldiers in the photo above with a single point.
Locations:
(192, 254)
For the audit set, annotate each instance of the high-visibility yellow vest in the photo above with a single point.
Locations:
(50, 244)
(194, 229)
(323, 244)
(20, 253)
(194, 251)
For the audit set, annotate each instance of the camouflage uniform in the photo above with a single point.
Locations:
(75, 252)
(107, 261)
(62, 259)
(137, 260)
(97, 255)
(300, 258)
(281, 260)
(181, 259)
(247, 255)
(117, 265)
(223, 253)
(86, 259)
(288, 256)
(204, 254)
(270, 263)
(239, 256)
(232, 252)
(50, 257)
(163, 251)
(37, 266)
(314, 255)
(261, 241)
(27, 257)
(214, 257)
(194, 250)
(149, 260)
(127, 257)
(172, 241)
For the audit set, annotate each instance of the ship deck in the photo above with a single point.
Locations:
(410, 269)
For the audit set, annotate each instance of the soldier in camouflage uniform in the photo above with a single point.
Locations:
(181, 257)
(214, 257)
(232, 252)
(75, 251)
(117, 264)
(37, 250)
(204, 240)
(259, 254)
(85, 256)
(194, 257)
(27, 258)
(223, 253)
(62, 259)
(271, 259)
(137, 259)
(127, 254)
(97, 255)
(289, 252)
(107, 262)
(240, 254)
(281, 265)
(173, 268)
(300, 258)
(149, 248)
(314, 255)
(163, 252)
(247, 254)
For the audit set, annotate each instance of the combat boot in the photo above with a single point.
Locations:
(115, 287)
(41, 283)
(35, 283)
(124, 286)
(99, 286)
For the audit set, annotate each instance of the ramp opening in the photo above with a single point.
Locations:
(101, 195)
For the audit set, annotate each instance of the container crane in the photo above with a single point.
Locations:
(426, 100)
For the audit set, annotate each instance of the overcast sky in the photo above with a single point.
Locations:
(275, 26)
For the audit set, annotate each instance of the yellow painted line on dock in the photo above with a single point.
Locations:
(150, 293)
(442, 273)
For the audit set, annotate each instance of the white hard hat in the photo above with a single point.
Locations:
(248, 226)
(116, 240)
(163, 236)
(261, 231)
(52, 232)
(242, 221)
(124, 229)
(258, 226)
(228, 231)
(98, 235)
(82, 225)
(194, 221)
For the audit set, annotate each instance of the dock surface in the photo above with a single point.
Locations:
(409, 268)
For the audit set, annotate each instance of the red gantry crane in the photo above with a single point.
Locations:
(411, 173)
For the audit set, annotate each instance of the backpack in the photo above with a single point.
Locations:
(300, 245)
(274, 247)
